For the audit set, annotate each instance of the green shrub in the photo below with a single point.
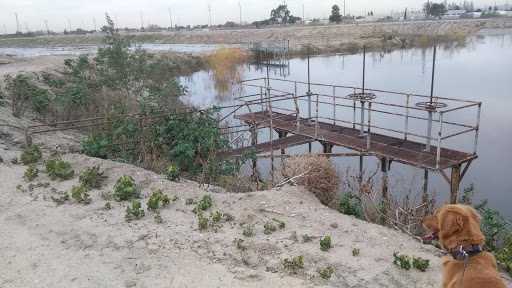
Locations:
(350, 204)
(124, 188)
(14, 160)
(173, 173)
(31, 155)
(1, 159)
(420, 263)
(79, 194)
(248, 230)
(31, 173)
(203, 222)
(403, 261)
(108, 206)
(326, 273)
(155, 199)
(59, 169)
(325, 243)
(306, 238)
(92, 178)
(95, 146)
(238, 242)
(204, 203)
(134, 210)
(269, 227)
(504, 257)
(295, 263)
(355, 252)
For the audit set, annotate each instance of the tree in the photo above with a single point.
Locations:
(335, 14)
(436, 10)
(280, 14)
(371, 13)
(490, 8)
(293, 19)
(405, 14)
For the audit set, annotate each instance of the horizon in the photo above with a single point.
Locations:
(73, 16)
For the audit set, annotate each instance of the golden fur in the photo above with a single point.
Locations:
(460, 225)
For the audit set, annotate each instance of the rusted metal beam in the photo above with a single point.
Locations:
(465, 169)
(445, 176)
(454, 186)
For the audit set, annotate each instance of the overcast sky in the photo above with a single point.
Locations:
(32, 13)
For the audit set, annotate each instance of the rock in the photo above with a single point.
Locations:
(215, 190)
(130, 283)
(301, 202)
(334, 225)
(355, 223)
(278, 188)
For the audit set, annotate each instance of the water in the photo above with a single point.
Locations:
(479, 71)
(90, 49)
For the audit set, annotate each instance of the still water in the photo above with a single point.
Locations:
(480, 70)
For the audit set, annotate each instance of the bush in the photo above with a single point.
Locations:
(154, 200)
(325, 244)
(173, 173)
(92, 178)
(403, 261)
(31, 173)
(420, 263)
(79, 194)
(326, 273)
(295, 263)
(320, 176)
(95, 147)
(350, 204)
(134, 210)
(124, 188)
(31, 155)
(59, 169)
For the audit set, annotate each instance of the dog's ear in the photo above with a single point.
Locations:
(450, 222)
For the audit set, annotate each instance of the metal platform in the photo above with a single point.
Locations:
(383, 146)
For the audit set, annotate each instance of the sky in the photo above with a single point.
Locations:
(61, 14)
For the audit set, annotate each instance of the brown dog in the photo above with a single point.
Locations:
(458, 230)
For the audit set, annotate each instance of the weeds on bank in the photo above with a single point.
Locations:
(134, 210)
(158, 197)
(269, 226)
(30, 155)
(31, 173)
(325, 244)
(293, 264)
(326, 273)
(14, 160)
(238, 242)
(61, 199)
(59, 169)
(248, 230)
(80, 196)
(355, 252)
(420, 263)
(403, 261)
(124, 189)
(204, 203)
(92, 178)
(306, 238)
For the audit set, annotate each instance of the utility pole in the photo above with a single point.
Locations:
(18, 27)
(117, 27)
(141, 20)
(344, 9)
(240, 6)
(26, 27)
(209, 15)
(5, 30)
(47, 29)
(83, 28)
(303, 12)
(94, 20)
(170, 17)
(69, 21)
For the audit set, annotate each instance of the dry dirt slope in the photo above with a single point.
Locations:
(74, 245)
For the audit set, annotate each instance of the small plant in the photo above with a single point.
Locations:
(30, 155)
(31, 187)
(95, 147)
(403, 261)
(92, 178)
(14, 160)
(189, 201)
(295, 263)
(215, 216)
(155, 199)
(293, 235)
(204, 203)
(269, 227)
(31, 173)
(158, 218)
(173, 173)
(420, 263)
(248, 230)
(153, 202)
(124, 188)
(165, 200)
(108, 206)
(19, 187)
(134, 210)
(281, 224)
(203, 222)
(175, 198)
(306, 238)
(238, 243)
(326, 273)
(79, 194)
(43, 184)
(355, 252)
(60, 200)
(350, 204)
(228, 217)
(325, 244)
(59, 169)
(1, 159)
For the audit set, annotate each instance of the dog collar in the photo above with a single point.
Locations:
(460, 252)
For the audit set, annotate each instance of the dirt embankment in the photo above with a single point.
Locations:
(328, 38)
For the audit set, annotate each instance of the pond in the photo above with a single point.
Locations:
(480, 70)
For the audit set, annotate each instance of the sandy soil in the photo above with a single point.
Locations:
(328, 38)
(75, 245)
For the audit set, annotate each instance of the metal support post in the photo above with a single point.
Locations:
(439, 136)
(369, 125)
(454, 186)
(406, 118)
(362, 119)
(385, 169)
(334, 105)
(477, 126)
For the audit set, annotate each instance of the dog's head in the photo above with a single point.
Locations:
(454, 225)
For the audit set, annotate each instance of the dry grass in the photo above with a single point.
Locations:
(319, 175)
(226, 64)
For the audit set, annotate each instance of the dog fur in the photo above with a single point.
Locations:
(460, 225)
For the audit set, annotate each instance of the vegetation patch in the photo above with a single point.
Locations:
(134, 210)
(31, 173)
(403, 261)
(80, 195)
(59, 169)
(420, 263)
(326, 273)
(124, 189)
(325, 244)
(294, 263)
(92, 178)
(30, 155)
